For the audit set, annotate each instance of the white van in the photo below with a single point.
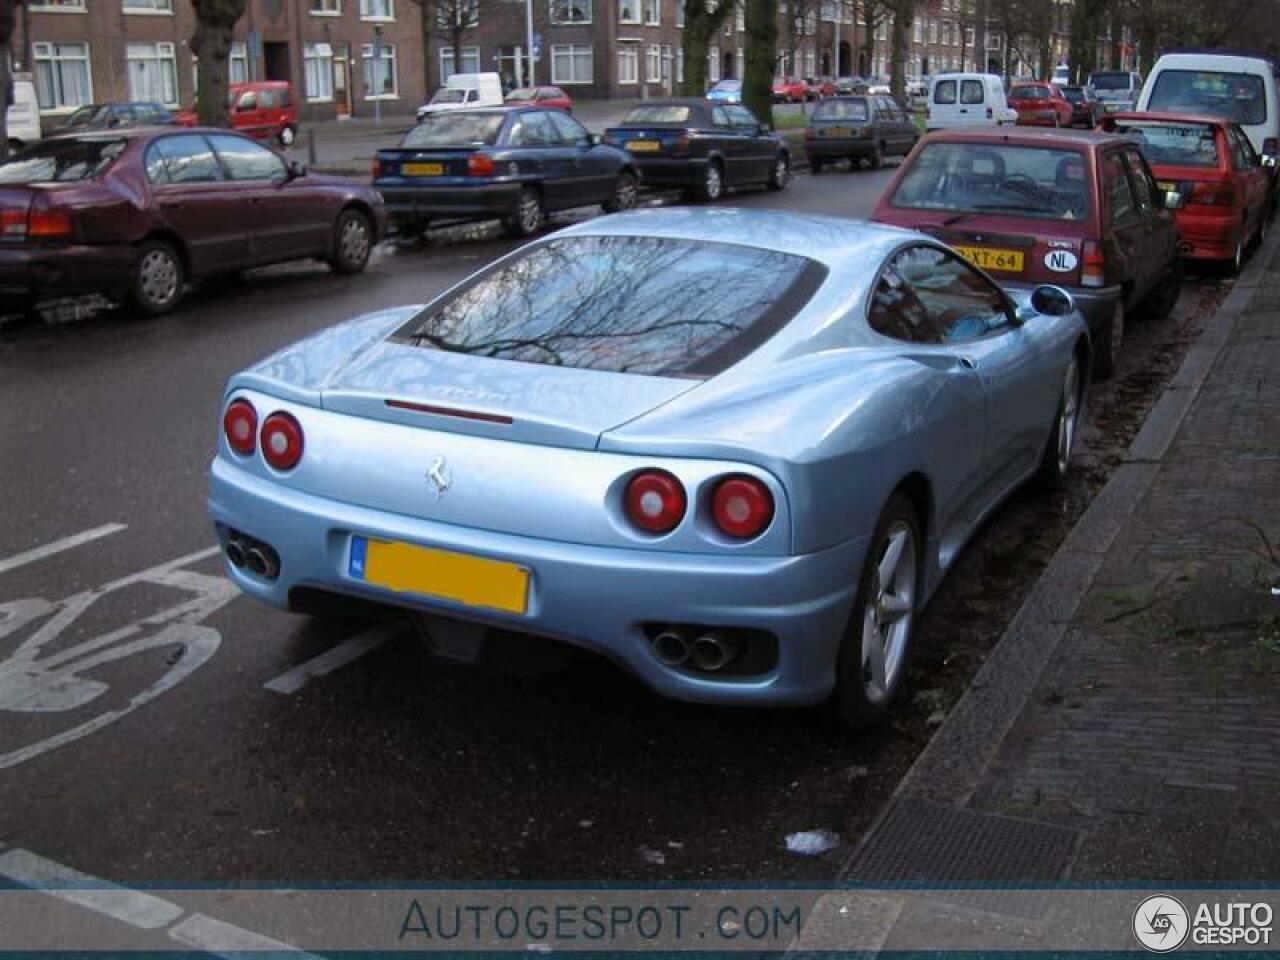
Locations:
(1116, 90)
(968, 100)
(1238, 88)
(462, 91)
(23, 118)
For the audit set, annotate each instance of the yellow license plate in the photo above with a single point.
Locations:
(989, 259)
(475, 581)
(644, 146)
(838, 132)
(423, 169)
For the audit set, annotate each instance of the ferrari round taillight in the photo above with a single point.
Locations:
(742, 506)
(282, 441)
(240, 424)
(655, 501)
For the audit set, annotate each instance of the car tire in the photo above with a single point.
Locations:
(1162, 302)
(1236, 263)
(158, 278)
(1106, 354)
(625, 193)
(711, 187)
(1056, 462)
(352, 242)
(815, 165)
(873, 653)
(780, 174)
(528, 216)
(288, 135)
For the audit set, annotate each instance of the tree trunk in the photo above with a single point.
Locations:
(760, 58)
(700, 25)
(980, 37)
(211, 42)
(899, 31)
(428, 11)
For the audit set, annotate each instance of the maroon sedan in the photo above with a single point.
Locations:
(136, 214)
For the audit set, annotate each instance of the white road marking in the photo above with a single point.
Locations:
(225, 939)
(66, 543)
(134, 907)
(366, 642)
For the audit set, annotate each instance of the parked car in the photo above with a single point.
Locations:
(137, 213)
(515, 164)
(1117, 90)
(879, 85)
(465, 91)
(112, 116)
(1079, 209)
(23, 115)
(701, 147)
(820, 87)
(540, 97)
(968, 100)
(663, 392)
(1085, 110)
(790, 90)
(859, 129)
(726, 91)
(1041, 105)
(849, 86)
(1210, 164)
(1061, 75)
(264, 110)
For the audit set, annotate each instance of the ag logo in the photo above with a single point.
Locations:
(1161, 923)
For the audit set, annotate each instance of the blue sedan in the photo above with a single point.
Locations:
(513, 164)
(733, 451)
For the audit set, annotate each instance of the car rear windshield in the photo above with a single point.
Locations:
(455, 130)
(841, 110)
(1110, 81)
(61, 161)
(1029, 93)
(644, 305)
(1174, 144)
(657, 114)
(1235, 96)
(998, 179)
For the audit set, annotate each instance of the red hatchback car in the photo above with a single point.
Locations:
(540, 97)
(1041, 105)
(1077, 209)
(265, 109)
(1211, 165)
(790, 90)
(137, 213)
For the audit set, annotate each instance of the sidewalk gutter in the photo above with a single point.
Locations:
(956, 759)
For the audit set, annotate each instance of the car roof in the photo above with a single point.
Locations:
(1088, 139)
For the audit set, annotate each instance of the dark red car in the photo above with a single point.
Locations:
(790, 90)
(138, 213)
(540, 97)
(819, 88)
(1041, 105)
(1222, 186)
(264, 110)
(1077, 209)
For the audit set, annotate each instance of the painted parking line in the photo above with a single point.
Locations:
(58, 546)
(344, 653)
(223, 939)
(133, 907)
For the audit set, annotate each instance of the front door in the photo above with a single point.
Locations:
(758, 150)
(595, 170)
(193, 199)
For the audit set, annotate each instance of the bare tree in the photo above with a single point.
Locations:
(426, 17)
(211, 42)
(761, 57)
(701, 21)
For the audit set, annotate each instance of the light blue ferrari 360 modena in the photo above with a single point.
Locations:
(733, 451)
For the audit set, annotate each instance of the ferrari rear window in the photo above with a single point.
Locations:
(61, 160)
(644, 305)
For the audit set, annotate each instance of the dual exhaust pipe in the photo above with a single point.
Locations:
(710, 652)
(246, 553)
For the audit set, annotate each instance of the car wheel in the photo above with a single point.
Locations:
(1062, 438)
(529, 215)
(780, 173)
(625, 193)
(712, 186)
(1236, 263)
(288, 135)
(1163, 301)
(352, 242)
(877, 638)
(157, 279)
(1107, 349)
(815, 165)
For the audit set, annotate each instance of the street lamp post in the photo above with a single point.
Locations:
(528, 29)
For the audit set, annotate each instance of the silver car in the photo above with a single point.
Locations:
(733, 451)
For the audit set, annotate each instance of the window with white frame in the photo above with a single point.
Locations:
(810, 63)
(148, 6)
(59, 6)
(153, 72)
(326, 8)
(628, 11)
(379, 73)
(679, 64)
(470, 61)
(680, 14)
(572, 63)
(739, 19)
(62, 75)
(993, 41)
(713, 64)
(653, 12)
(238, 63)
(570, 11)
(739, 65)
(628, 63)
(653, 63)
(464, 12)
(317, 68)
(377, 9)
(969, 37)
(933, 31)
(917, 31)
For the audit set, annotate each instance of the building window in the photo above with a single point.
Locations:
(326, 8)
(680, 14)
(470, 61)
(238, 63)
(679, 64)
(465, 12)
(317, 66)
(653, 63)
(628, 63)
(917, 31)
(653, 12)
(810, 63)
(148, 6)
(969, 37)
(153, 72)
(933, 31)
(379, 73)
(57, 6)
(62, 75)
(713, 64)
(572, 63)
(570, 11)
(629, 11)
(377, 9)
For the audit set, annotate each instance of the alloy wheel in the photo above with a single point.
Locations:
(889, 613)
(714, 185)
(353, 243)
(1069, 419)
(530, 213)
(624, 195)
(159, 276)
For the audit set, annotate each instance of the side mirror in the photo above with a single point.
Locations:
(1052, 301)
(1173, 200)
